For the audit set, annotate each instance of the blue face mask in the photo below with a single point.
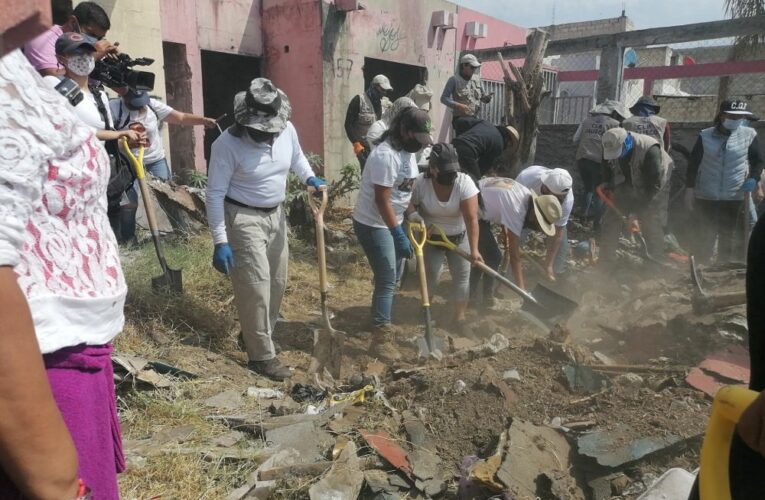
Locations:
(629, 142)
(733, 124)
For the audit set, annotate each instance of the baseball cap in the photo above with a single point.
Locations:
(613, 140)
(418, 121)
(471, 60)
(136, 98)
(548, 211)
(558, 181)
(735, 107)
(71, 42)
(443, 156)
(382, 81)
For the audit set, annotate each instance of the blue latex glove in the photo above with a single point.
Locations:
(223, 258)
(401, 242)
(316, 183)
(749, 185)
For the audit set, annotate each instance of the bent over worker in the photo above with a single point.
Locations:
(557, 182)
(515, 207)
(249, 163)
(638, 173)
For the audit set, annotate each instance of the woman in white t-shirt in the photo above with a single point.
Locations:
(448, 198)
(74, 52)
(384, 194)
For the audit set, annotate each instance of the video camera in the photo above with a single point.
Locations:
(115, 71)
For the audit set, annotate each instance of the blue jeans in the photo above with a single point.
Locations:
(159, 169)
(381, 254)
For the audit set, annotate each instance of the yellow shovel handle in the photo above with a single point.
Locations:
(729, 403)
(444, 241)
(418, 227)
(136, 162)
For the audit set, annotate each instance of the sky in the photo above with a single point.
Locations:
(643, 13)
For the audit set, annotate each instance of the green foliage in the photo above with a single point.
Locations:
(196, 179)
(346, 183)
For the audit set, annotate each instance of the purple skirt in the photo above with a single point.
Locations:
(82, 382)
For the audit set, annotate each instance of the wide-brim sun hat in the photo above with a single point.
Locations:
(548, 211)
(262, 107)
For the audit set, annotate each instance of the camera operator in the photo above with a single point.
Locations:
(88, 18)
(137, 110)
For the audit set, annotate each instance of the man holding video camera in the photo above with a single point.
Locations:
(88, 18)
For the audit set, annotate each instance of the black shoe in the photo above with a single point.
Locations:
(271, 368)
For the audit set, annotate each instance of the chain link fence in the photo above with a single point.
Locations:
(688, 80)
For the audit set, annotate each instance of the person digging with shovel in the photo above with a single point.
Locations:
(384, 195)
(249, 163)
(515, 207)
(637, 172)
(448, 198)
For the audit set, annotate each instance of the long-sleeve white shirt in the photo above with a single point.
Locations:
(251, 173)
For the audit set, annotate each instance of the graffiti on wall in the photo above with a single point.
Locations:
(343, 68)
(389, 36)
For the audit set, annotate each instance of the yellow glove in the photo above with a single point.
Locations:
(358, 148)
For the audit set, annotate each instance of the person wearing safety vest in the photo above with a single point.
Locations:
(645, 119)
(638, 172)
(589, 155)
(363, 110)
(725, 163)
(463, 92)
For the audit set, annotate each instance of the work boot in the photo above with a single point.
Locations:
(270, 368)
(384, 343)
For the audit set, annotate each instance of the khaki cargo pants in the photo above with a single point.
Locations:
(258, 240)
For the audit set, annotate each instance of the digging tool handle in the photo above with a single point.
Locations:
(446, 243)
(318, 216)
(148, 202)
(418, 245)
(745, 217)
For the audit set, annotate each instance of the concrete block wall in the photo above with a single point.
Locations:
(589, 28)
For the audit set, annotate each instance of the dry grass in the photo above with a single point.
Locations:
(196, 332)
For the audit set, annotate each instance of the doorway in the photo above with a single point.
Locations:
(403, 77)
(223, 75)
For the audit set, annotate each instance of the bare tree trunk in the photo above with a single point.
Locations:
(527, 90)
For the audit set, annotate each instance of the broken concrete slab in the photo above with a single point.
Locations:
(228, 439)
(612, 448)
(311, 442)
(254, 488)
(536, 463)
(674, 483)
(264, 393)
(227, 400)
(427, 470)
(344, 479)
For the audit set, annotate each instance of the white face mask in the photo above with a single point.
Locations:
(81, 64)
(733, 124)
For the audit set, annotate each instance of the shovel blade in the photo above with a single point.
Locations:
(327, 351)
(171, 281)
(552, 307)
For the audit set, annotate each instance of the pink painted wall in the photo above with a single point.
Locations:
(292, 60)
(352, 36)
(230, 26)
(500, 33)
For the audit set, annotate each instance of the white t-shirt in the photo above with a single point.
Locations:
(445, 214)
(505, 202)
(123, 117)
(86, 110)
(531, 177)
(389, 168)
(376, 130)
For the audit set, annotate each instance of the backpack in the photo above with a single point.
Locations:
(121, 175)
